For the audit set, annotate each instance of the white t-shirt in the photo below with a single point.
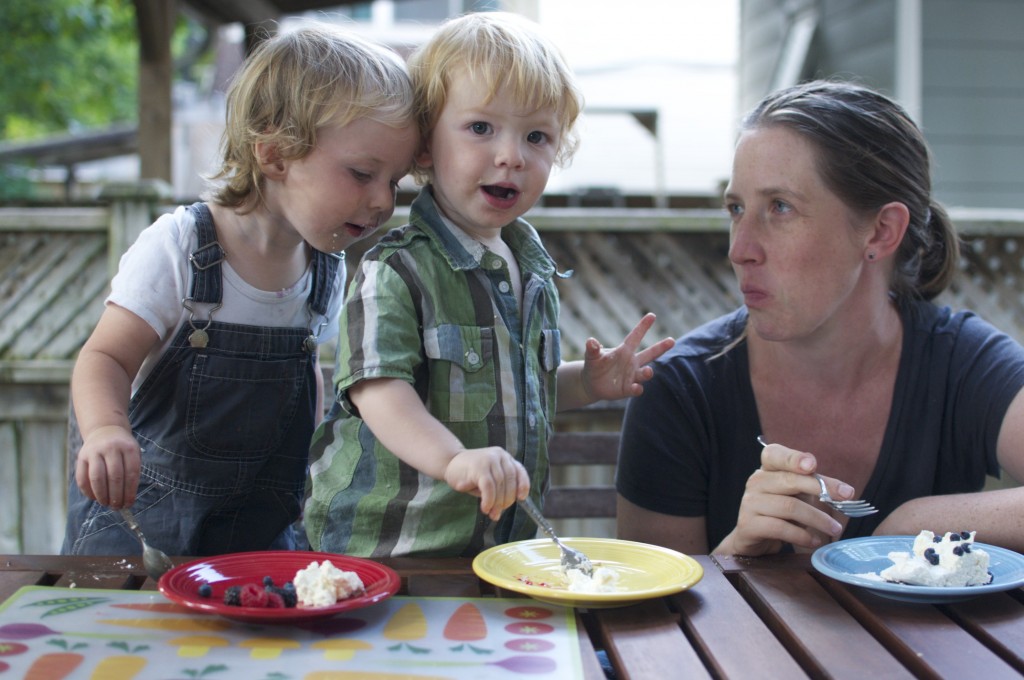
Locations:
(154, 276)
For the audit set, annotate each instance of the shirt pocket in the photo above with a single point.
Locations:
(550, 354)
(462, 385)
(549, 357)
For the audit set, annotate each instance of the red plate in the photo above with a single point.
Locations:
(181, 584)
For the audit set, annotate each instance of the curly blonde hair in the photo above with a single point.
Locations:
(294, 84)
(504, 50)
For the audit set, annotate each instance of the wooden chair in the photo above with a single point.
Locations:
(586, 501)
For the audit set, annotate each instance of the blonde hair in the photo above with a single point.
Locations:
(296, 83)
(504, 50)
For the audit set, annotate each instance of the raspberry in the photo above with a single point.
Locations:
(251, 595)
(232, 596)
(274, 601)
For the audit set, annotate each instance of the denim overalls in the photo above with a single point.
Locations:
(224, 421)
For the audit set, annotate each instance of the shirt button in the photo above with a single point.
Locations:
(532, 419)
(496, 264)
(504, 287)
(472, 357)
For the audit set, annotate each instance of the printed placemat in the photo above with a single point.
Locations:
(58, 633)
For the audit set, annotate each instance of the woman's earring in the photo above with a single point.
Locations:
(871, 254)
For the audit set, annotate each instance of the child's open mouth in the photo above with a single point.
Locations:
(504, 193)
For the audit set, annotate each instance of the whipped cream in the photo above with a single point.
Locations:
(604, 580)
(950, 560)
(322, 584)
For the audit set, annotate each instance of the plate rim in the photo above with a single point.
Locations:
(389, 585)
(695, 573)
(922, 593)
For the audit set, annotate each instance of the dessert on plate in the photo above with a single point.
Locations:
(949, 560)
(322, 584)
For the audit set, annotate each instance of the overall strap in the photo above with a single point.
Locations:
(206, 258)
(324, 271)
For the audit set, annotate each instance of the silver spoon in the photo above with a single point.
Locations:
(156, 562)
(571, 558)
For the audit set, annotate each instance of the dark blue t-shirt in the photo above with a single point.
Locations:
(689, 442)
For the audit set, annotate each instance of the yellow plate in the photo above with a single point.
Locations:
(533, 568)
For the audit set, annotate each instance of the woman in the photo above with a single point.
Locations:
(838, 356)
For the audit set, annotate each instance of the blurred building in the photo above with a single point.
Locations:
(955, 65)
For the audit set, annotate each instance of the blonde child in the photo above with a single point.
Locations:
(449, 349)
(199, 389)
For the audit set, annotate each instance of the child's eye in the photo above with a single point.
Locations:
(536, 137)
(361, 176)
(480, 128)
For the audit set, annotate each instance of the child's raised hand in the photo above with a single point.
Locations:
(619, 372)
(490, 473)
(108, 466)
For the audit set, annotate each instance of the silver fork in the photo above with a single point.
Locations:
(571, 558)
(858, 508)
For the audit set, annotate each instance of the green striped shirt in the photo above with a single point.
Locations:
(431, 306)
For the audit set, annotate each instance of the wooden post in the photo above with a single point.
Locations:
(131, 211)
(155, 22)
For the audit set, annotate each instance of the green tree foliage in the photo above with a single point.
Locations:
(67, 65)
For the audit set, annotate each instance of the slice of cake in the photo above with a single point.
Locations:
(950, 560)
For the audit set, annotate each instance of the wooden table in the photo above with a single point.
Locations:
(769, 617)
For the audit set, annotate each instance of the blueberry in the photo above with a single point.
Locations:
(267, 581)
(931, 556)
(954, 537)
(288, 595)
(958, 551)
(205, 590)
(966, 535)
(232, 596)
(966, 547)
(288, 585)
(937, 539)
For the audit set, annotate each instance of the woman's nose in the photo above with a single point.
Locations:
(743, 246)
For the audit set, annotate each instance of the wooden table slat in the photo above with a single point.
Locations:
(927, 641)
(821, 635)
(716, 619)
(996, 621)
(646, 640)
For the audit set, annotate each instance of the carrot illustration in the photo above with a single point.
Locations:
(466, 624)
(53, 666)
(124, 667)
(408, 623)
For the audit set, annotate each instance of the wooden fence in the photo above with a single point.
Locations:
(55, 264)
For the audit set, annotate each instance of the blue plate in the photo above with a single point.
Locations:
(858, 561)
